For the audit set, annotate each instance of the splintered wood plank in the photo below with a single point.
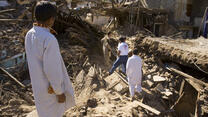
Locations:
(151, 109)
(115, 82)
(113, 85)
(12, 77)
(197, 84)
(112, 79)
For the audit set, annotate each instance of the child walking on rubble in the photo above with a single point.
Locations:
(134, 73)
(51, 86)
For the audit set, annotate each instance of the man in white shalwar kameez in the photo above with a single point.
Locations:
(134, 73)
(46, 65)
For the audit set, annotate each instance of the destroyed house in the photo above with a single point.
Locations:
(187, 15)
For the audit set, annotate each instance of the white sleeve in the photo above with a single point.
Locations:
(52, 66)
(119, 47)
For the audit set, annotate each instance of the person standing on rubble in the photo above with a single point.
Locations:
(123, 50)
(134, 73)
(51, 86)
(106, 48)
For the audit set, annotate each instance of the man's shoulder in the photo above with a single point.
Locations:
(124, 43)
(42, 33)
(135, 58)
(139, 58)
(131, 58)
(51, 38)
(30, 31)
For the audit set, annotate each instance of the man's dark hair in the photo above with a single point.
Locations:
(44, 10)
(122, 39)
(135, 51)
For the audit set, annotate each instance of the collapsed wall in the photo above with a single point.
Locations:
(191, 53)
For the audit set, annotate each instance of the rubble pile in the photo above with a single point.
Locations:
(158, 84)
(78, 31)
(192, 53)
(14, 99)
(11, 38)
(169, 50)
(167, 89)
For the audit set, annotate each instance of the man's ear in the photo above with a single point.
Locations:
(51, 21)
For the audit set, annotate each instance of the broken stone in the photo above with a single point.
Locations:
(167, 92)
(135, 112)
(9, 30)
(94, 86)
(158, 79)
(149, 83)
(118, 87)
(149, 76)
(14, 102)
(80, 77)
(165, 97)
(1, 33)
(32, 114)
(27, 108)
(159, 88)
(92, 72)
(92, 103)
(83, 111)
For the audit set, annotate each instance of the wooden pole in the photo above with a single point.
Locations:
(14, 20)
(7, 10)
(193, 81)
(12, 77)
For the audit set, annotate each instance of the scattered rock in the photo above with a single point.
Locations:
(149, 76)
(27, 108)
(158, 79)
(167, 93)
(1, 33)
(32, 114)
(149, 83)
(92, 103)
(119, 87)
(159, 88)
(80, 77)
(14, 102)
(92, 72)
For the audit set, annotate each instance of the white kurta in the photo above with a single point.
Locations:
(46, 67)
(134, 73)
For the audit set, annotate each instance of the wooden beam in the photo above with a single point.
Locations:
(153, 110)
(12, 77)
(126, 82)
(7, 10)
(196, 83)
(14, 20)
(113, 85)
